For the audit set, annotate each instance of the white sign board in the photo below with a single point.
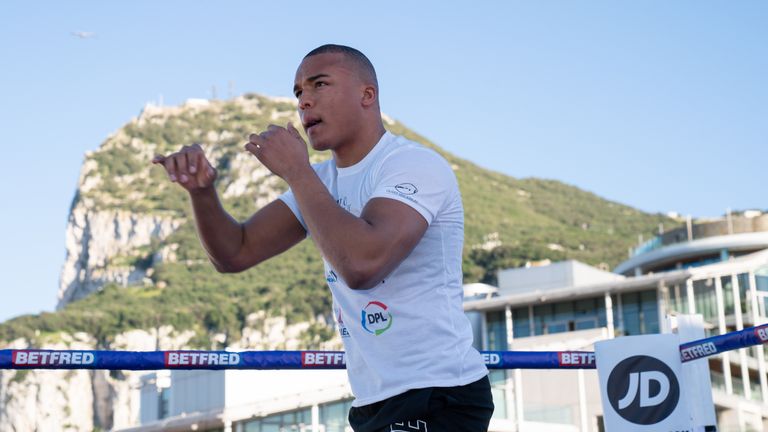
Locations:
(696, 372)
(640, 384)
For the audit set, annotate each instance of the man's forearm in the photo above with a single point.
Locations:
(220, 234)
(343, 238)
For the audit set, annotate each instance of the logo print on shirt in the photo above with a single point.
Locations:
(375, 318)
(331, 277)
(343, 203)
(343, 332)
(406, 188)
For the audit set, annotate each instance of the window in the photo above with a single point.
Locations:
(677, 298)
(164, 404)
(761, 284)
(745, 297)
(334, 415)
(569, 316)
(293, 421)
(496, 325)
(521, 322)
(761, 279)
(640, 313)
(549, 413)
(542, 315)
(498, 380)
(630, 314)
(728, 304)
(706, 301)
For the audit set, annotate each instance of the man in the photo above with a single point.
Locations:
(386, 214)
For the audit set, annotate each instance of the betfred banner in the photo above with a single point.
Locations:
(641, 384)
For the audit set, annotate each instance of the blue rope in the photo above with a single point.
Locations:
(214, 360)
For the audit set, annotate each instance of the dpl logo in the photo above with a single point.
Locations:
(375, 318)
(643, 390)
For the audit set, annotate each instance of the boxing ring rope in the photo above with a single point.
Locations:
(215, 360)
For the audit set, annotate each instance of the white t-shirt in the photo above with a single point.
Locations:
(410, 330)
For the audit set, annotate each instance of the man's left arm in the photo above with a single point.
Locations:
(363, 250)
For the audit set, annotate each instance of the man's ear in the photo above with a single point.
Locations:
(370, 96)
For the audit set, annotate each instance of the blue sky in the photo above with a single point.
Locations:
(656, 104)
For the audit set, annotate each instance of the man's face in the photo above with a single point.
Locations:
(329, 94)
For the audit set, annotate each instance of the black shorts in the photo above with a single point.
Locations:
(465, 408)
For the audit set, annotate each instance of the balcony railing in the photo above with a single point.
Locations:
(700, 230)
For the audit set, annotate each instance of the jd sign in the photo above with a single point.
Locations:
(650, 390)
(639, 384)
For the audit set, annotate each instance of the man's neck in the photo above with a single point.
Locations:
(346, 156)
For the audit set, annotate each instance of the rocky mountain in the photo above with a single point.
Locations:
(136, 278)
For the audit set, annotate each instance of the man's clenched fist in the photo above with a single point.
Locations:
(282, 150)
(189, 167)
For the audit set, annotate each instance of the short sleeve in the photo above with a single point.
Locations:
(418, 177)
(290, 200)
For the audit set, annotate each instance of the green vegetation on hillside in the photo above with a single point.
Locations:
(194, 297)
(508, 222)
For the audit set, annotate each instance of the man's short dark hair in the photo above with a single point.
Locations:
(361, 62)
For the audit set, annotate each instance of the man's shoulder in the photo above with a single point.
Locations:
(405, 152)
(401, 146)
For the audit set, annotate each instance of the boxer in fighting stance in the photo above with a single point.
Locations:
(387, 216)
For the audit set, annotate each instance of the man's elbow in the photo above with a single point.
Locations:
(361, 278)
(227, 266)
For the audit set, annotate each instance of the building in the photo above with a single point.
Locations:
(244, 401)
(718, 269)
(720, 273)
(698, 244)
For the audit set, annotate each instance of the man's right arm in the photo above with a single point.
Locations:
(231, 246)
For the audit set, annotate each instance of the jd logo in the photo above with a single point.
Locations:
(645, 379)
(375, 318)
(643, 390)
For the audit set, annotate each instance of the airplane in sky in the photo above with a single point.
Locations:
(83, 34)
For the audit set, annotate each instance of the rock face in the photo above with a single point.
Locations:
(120, 208)
(78, 400)
(96, 238)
